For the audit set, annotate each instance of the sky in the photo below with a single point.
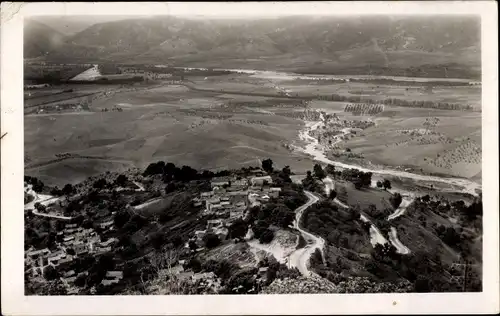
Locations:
(246, 9)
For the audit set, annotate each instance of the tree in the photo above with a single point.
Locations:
(195, 265)
(67, 189)
(238, 229)
(282, 216)
(379, 184)
(366, 178)
(81, 280)
(38, 185)
(56, 191)
(40, 207)
(319, 172)
(422, 285)
(169, 168)
(333, 194)
(286, 170)
(50, 273)
(330, 169)
(121, 180)
(170, 187)
(358, 184)
(267, 165)
(386, 184)
(284, 176)
(211, 240)
(192, 245)
(259, 228)
(396, 200)
(451, 237)
(100, 184)
(158, 240)
(266, 237)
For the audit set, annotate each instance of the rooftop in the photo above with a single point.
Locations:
(114, 274)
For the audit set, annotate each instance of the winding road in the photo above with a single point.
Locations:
(297, 258)
(300, 257)
(43, 199)
(314, 149)
(393, 238)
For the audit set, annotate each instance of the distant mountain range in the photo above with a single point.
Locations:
(299, 43)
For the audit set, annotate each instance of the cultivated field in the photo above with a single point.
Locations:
(169, 123)
(452, 147)
(229, 121)
(434, 141)
(363, 197)
(450, 94)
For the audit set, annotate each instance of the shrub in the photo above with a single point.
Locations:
(238, 229)
(266, 237)
(302, 242)
(396, 200)
(211, 240)
(50, 273)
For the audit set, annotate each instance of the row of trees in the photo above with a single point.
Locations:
(184, 174)
(398, 102)
(364, 108)
(68, 189)
(359, 178)
(386, 184)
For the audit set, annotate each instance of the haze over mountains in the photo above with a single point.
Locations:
(295, 43)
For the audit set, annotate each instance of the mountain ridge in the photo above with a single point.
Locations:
(336, 41)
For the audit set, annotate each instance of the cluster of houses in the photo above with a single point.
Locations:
(207, 282)
(71, 243)
(229, 200)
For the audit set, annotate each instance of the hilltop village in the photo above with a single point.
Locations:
(75, 238)
(171, 230)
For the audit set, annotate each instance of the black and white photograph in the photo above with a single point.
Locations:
(252, 154)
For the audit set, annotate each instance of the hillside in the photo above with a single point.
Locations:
(70, 25)
(39, 39)
(302, 43)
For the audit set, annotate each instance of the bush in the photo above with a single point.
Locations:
(333, 194)
(121, 180)
(238, 229)
(211, 240)
(121, 218)
(100, 184)
(396, 200)
(330, 169)
(267, 165)
(319, 172)
(386, 184)
(302, 242)
(241, 282)
(56, 191)
(170, 187)
(266, 237)
(50, 273)
(260, 227)
(195, 265)
(68, 189)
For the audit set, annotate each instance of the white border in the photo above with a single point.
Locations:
(15, 303)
